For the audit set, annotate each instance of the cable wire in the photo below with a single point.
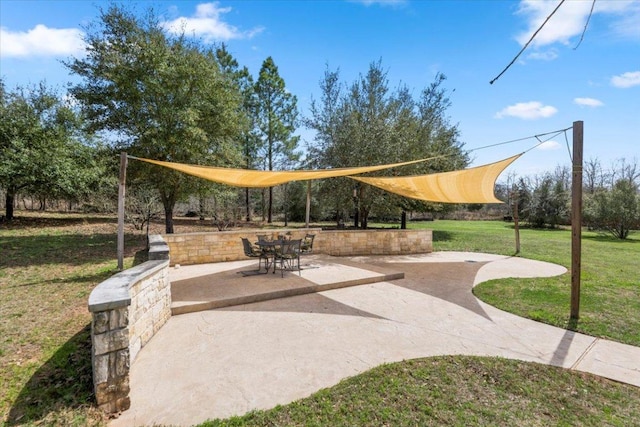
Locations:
(527, 44)
(555, 133)
(568, 149)
(586, 24)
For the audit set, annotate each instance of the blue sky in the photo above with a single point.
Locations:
(550, 86)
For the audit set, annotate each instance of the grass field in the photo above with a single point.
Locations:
(49, 264)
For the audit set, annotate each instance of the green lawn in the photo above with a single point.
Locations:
(459, 391)
(49, 264)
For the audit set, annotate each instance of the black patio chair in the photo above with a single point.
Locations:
(288, 256)
(253, 252)
(306, 247)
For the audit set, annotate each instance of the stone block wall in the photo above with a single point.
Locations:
(150, 306)
(375, 242)
(221, 246)
(127, 310)
(110, 359)
(201, 248)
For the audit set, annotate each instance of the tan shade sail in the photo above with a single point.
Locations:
(474, 185)
(257, 179)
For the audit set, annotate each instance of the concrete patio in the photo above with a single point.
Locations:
(220, 362)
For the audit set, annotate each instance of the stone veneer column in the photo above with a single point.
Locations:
(110, 359)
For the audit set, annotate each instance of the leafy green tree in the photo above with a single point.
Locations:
(160, 97)
(522, 192)
(249, 138)
(435, 137)
(548, 204)
(366, 123)
(43, 148)
(277, 117)
(615, 210)
(324, 119)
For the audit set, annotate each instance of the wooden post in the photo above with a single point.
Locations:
(576, 218)
(121, 194)
(516, 222)
(308, 203)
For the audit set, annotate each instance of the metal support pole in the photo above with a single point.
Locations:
(356, 205)
(121, 194)
(516, 221)
(576, 218)
(308, 204)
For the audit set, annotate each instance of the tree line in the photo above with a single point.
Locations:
(175, 98)
(611, 197)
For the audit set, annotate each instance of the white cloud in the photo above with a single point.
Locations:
(588, 102)
(207, 22)
(569, 20)
(527, 111)
(41, 41)
(627, 16)
(549, 146)
(548, 55)
(626, 80)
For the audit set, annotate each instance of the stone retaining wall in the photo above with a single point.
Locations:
(127, 310)
(375, 242)
(201, 248)
(221, 246)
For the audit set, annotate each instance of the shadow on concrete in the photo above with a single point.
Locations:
(308, 303)
(448, 281)
(561, 352)
(232, 283)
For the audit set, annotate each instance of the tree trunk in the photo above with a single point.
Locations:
(8, 205)
(364, 218)
(148, 218)
(168, 218)
(269, 217)
(286, 219)
(403, 220)
(168, 203)
(201, 207)
(246, 201)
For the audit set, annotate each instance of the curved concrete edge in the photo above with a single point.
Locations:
(439, 257)
(497, 266)
(514, 267)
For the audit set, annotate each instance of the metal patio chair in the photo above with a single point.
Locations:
(306, 247)
(253, 252)
(288, 256)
